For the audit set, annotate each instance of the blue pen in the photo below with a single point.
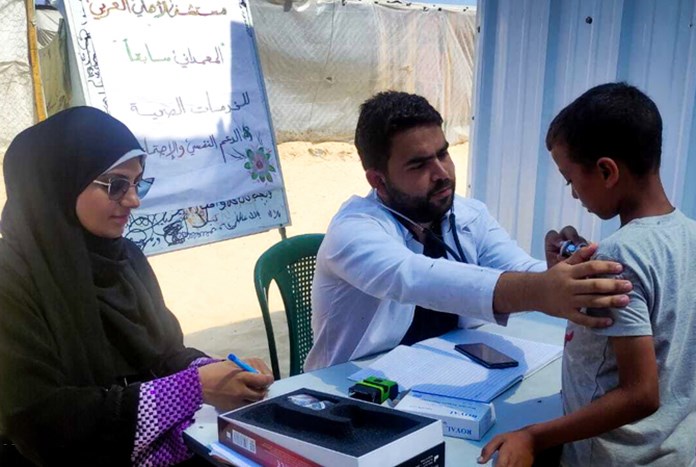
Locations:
(244, 366)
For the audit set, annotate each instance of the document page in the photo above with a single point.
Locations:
(434, 367)
(431, 372)
(531, 355)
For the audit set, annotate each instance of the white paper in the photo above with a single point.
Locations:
(434, 367)
(531, 355)
(184, 77)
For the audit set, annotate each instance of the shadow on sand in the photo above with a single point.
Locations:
(246, 339)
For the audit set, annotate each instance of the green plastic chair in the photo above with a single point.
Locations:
(290, 263)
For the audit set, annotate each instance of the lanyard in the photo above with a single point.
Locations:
(457, 255)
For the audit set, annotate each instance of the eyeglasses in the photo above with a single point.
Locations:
(117, 187)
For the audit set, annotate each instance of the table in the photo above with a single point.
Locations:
(536, 399)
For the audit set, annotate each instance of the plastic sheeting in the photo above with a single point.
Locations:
(55, 76)
(16, 93)
(322, 59)
(16, 97)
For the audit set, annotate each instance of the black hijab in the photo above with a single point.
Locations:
(76, 311)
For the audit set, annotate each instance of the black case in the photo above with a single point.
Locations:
(348, 426)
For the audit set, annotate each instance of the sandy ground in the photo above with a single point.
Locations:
(210, 288)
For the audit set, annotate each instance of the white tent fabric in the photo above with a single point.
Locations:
(16, 97)
(322, 59)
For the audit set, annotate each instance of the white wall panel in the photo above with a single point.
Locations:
(536, 56)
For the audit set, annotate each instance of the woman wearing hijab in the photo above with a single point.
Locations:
(93, 370)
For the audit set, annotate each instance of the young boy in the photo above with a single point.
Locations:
(629, 391)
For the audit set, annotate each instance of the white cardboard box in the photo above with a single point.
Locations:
(460, 418)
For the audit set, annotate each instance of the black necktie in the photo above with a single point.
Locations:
(430, 323)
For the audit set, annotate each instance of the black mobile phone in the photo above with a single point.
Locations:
(486, 355)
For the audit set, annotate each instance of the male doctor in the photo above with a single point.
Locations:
(413, 260)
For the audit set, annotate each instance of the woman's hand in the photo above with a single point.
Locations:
(227, 387)
(259, 364)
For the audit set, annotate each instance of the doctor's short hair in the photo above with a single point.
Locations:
(614, 120)
(384, 115)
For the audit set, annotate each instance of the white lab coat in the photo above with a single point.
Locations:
(371, 274)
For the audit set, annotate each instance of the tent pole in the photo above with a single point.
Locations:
(39, 103)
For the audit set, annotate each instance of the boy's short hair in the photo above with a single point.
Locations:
(613, 120)
(384, 115)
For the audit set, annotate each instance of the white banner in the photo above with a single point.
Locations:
(185, 78)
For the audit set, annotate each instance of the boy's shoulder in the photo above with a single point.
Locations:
(645, 235)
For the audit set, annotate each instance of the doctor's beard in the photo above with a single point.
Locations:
(420, 209)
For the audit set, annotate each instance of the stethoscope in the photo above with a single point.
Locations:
(457, 255)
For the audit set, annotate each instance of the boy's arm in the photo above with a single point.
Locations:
(636, 397)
